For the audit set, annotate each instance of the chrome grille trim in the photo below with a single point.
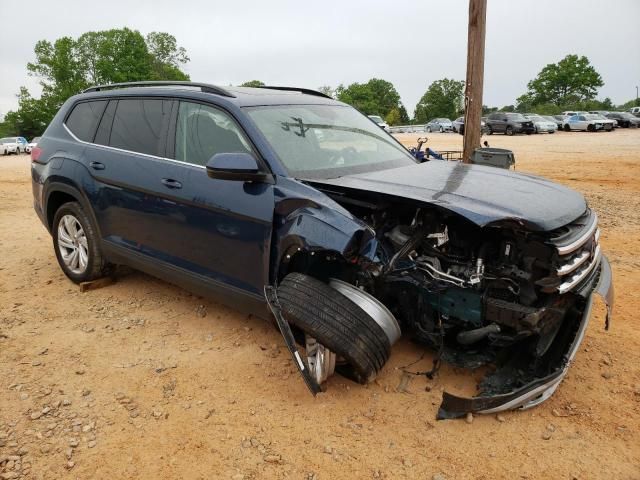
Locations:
(574, 263)
(581, 274)
(584, 238)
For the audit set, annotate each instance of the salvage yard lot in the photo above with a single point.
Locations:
(141, 379)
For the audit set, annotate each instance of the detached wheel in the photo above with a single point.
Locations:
(337, 331)
(76, 244)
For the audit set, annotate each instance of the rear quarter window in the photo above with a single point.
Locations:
(84, 118)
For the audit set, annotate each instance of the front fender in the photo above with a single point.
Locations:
(306, 220)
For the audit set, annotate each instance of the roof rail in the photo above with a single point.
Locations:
(204, 87)
(296, 89)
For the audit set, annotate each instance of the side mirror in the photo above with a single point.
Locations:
(238, 166)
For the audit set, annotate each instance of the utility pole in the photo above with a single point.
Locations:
(475, 77)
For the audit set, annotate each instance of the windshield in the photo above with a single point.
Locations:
(8, 140)
(443, 120)
(591, 116)
(517, 117)
(627, 115)
(327, 141)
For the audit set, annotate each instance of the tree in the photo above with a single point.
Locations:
(571, 80)
(252, 83)
(327, 90)
(166, 56)
(443, 98)
(67, 66)
(376, 97)
(393, 117)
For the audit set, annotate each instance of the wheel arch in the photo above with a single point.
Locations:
(57, 193)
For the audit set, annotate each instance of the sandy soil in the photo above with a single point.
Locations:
(141, 379)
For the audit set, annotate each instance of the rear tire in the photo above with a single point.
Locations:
(337, 323)
(489, 130)
(94, 266)
(428, 129)
(509, 130)
(591, 128)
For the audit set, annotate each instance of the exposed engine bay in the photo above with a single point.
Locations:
(498, 295)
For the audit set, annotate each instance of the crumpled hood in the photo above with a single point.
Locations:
(481, 194)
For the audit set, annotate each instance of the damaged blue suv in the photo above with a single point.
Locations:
(287, 204)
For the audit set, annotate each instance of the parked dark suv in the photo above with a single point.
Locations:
(290, 205)
(509, 123)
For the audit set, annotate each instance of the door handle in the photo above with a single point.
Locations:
(171, 183)
(97, 165)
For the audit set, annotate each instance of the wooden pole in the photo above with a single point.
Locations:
(475, 77)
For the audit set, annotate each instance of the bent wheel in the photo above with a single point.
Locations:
(337, 333)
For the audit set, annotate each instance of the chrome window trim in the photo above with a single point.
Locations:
(180, 162)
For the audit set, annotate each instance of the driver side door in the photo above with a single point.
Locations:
(222, 228)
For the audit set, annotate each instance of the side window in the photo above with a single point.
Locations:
(202, 131)
(139, 124)
(84, 119)
(104, 129)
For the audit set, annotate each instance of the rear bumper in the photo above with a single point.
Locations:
(541, 389)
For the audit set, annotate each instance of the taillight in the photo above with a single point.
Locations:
(35, 154)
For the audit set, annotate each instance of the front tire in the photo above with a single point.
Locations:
(336, 323)
(591, 128)
(428, 129)
(77, 245)
(567, 128)
(441, 130)
(509, 130)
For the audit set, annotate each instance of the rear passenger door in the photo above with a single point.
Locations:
(134, 190)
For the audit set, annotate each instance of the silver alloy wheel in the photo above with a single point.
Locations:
(72, 244)
(321, 360)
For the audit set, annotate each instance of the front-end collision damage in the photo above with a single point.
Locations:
(540, 389)
(309, 223)
(502, 292)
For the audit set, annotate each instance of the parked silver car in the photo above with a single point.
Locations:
(541, 124)
(439, 125)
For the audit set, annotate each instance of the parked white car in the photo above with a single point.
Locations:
(634, 111)
(14, 145)
(613, 122)
(541, 124)
(377, 119)
(587, 123)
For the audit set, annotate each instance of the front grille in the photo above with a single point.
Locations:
(578, 251)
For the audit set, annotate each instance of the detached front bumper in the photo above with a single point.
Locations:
(540, 389)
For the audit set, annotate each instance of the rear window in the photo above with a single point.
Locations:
(138, 125)
(84, 118)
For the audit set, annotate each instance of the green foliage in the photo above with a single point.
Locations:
(327, 90)
(443, 98)
(487, 110)
(252, 83)
(67, 66)
(376, 97)
(631, 103)
(393, 117)
(571, 80)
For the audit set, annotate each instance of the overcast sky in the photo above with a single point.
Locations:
(309, 44)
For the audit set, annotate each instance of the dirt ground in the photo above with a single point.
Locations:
(141, 379)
